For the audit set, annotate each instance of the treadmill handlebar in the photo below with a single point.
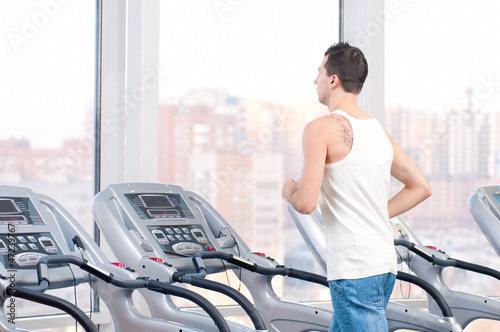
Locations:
(203, 303)
(447, 262)
(53, 301)
(199, 256)
(307, 276)
(311, 277)
(239, 298)
(238, 261)
(196, 279)
(438, 298)
(152, 285)
(43, 271)
(413, 247)
(477, 268)
(199, 265)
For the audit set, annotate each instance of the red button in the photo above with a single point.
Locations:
(156, 259)
(431, 247)
(211, 249)
(118, 264)
(261, 254)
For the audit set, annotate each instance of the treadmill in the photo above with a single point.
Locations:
(39, 240)
(164, 232)
(399, 316)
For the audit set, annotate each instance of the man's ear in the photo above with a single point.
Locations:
(334, 81)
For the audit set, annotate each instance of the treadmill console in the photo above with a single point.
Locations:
(158, 220)
(173, 238)
(24, 250)
(29, 231)
(186, 240)
(20, 249)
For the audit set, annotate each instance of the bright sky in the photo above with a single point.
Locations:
(435, 50)
(47, 72)
(267, 49)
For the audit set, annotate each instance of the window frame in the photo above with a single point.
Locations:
(126, 103)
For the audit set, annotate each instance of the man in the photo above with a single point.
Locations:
(349, 158)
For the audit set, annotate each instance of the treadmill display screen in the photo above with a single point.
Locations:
(497, 198)
(156, 206)
(160, 235)
(8, 206)
(46, 243)
(19, 211)
(156, 201)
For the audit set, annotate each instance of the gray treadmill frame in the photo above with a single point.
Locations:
(63, 228)
(114, 215)
(398, 316)
(486, 212)
(466, 307)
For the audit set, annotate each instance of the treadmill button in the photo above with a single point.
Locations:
(32, 258)
(22, 259)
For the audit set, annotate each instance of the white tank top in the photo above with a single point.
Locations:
(355, 193)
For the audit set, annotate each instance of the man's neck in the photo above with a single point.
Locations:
(347, 102)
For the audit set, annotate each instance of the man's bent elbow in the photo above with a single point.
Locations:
(305, 207)
(427, 191)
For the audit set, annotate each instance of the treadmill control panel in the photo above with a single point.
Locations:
(24, 250)
(183, 240)
(159, 206)
(18, 211)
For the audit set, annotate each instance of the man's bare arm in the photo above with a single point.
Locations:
(303, 194)
(416, 188)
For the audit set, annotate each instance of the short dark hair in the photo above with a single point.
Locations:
(349, 64)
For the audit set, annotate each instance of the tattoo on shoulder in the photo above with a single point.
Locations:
(344, 127)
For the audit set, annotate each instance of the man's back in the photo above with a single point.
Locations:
(355, 194)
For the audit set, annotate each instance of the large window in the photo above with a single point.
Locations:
(442, 106)
(236, 90)
(47, 88)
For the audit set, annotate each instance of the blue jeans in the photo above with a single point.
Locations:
(359, 304)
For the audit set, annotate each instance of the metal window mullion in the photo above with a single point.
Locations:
(113, 92)
(363, 26)
(142, 80)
